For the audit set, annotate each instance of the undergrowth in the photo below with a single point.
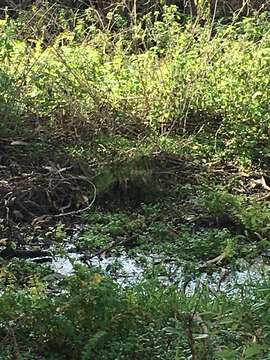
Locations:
(123, 96)
(94, 318)
(91, 81)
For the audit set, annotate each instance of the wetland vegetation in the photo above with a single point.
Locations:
(134, 146)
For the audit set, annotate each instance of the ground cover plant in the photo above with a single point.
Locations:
(134, 147)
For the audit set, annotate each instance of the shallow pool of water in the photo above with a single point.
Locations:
(126, 270)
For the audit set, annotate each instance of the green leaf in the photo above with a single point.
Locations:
(252, 350)
(201, 336)
(228, 354)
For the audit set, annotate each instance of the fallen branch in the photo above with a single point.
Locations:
(23, 254)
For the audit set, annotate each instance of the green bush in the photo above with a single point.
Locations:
(179, 84)
(90, 317)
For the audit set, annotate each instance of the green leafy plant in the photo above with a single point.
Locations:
(255, 218)
(220, 203)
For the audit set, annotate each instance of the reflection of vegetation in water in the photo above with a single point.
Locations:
(128, 181)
